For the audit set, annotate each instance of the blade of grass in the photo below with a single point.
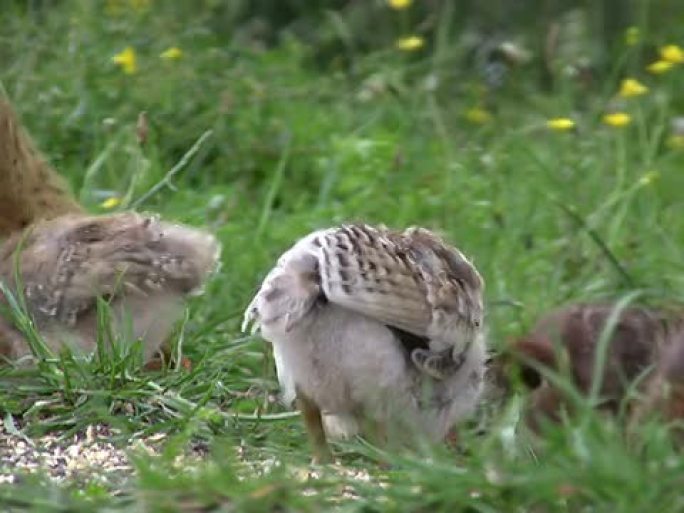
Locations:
(601, 353)
(180, 165)
(276, 183)
(626, 278)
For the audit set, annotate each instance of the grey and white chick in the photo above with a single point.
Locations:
(362, 320)
(142, 267)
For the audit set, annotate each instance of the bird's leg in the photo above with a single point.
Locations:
(375, 432)
(313, 421)
(163, 357)
(12, 344)
(451, 438)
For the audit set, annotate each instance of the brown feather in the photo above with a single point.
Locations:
(30, 189)
(573, 333)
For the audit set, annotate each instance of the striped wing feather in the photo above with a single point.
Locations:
(374, 272)
(410, 281)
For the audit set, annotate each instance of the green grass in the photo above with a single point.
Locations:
(299, 140)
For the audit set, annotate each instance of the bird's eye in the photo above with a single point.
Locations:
(460, 282)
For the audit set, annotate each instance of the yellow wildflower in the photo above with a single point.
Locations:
(410, 43)
(659, 67)
(127, 60)
(672, 53)
(632, 36)
(631, 87)
(617, 119)
(560, 124)
(139, 5)
(113, 7)
(110, 203)
(649, 178)
(478, 115)
(400, 5)
(676, 142)
(171, 54)
(118, 7)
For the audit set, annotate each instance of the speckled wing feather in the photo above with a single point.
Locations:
(369, 271)
(410, 280)
(66, 263)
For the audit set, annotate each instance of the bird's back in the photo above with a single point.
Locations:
(410, 281)
(135, 262)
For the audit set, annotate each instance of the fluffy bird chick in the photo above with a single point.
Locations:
(357, 316)
(664, 391)
(568, 339)
(61, 260)
(141, 266)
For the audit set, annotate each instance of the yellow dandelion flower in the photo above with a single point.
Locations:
(617, 119)
(114, 7)
(672, 53)
(410, 43)
(659, 67)
(478, 115)
(400, 5)
(126, 60)
(140, 5)
(110, 203)
(675, 142)
(632, 36)
(631, 87)
(649, 178)
(560, 124)
(171, 54)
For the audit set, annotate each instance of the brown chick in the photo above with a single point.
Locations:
(664, 392)
(61, 259)
(142, 266)
(634, 345)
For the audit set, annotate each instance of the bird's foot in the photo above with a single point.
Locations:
(322, 456)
